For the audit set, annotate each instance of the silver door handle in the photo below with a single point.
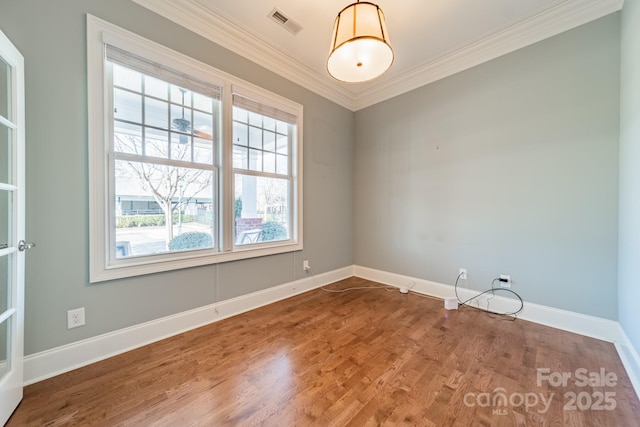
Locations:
(23, 246)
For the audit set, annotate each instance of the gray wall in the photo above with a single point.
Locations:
(51, 36)
(510, 167)
(629, 284)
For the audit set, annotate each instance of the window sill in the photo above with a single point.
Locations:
(158, 264)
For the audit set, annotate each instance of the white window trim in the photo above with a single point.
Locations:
(248, 92)
(98, 33)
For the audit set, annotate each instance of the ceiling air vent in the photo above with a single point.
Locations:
(286, 23)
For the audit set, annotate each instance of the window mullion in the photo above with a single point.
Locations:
(259, 173)
(227, 187)
(193, 131)
(144, 119)
(169, 129)
(108, 163)
(163, 162)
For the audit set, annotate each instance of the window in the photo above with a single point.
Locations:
(188, 165)
(165, 137)
(263, 179)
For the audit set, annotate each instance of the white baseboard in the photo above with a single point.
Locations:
(591, 326)
(46, 364)
(630, 359)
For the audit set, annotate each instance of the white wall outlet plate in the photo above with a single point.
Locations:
(75, 318)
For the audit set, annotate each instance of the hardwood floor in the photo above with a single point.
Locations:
(361, 358)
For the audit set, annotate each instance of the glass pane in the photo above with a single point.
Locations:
(5, 90)
(269, 123)
(4, 347)
(269, 141)
(283, 128)
(156, 113)
(156, 143)
(282, 165)
(180, 147)
(181, 119)
(203, 133)
(269, 162)
(262, 209)
(202, 102)
(240, 157)
(127, 138)
(5, 279)
(240, 115)
(255, 119)
(126, 78)
(127, 106)
(184, 196)
(5, 217)
(255, 160)
(283, 144)
(255, 137)
(180, 96)
(6, 176)
(240, 134)
(157, 88)
(202, 125)
(203, 151)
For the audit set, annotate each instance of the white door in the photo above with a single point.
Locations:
(11, 226)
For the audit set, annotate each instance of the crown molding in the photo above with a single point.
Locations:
(200, 18)
(548, 23)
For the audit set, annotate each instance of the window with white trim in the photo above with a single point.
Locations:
(165, 131)
(263, 176)
(188, 165)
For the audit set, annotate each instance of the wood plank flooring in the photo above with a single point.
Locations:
(359, 358)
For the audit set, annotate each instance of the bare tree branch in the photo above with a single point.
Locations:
(163, 182)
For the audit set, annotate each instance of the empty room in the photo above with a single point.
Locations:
(311, 213)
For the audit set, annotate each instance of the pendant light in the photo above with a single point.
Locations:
(360, 49)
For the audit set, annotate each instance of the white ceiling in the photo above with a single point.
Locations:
(431, 39)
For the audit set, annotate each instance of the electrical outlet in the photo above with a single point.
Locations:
(305, 265)
(75, 318)
(505, 281)
(463, 273)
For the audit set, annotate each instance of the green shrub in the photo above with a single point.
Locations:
(191, 240)
(238, 208)
(273, 231)
(185, 218)
(127, 221)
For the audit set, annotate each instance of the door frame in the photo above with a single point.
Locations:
(11, 384)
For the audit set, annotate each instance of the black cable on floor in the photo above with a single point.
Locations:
(493, 291)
